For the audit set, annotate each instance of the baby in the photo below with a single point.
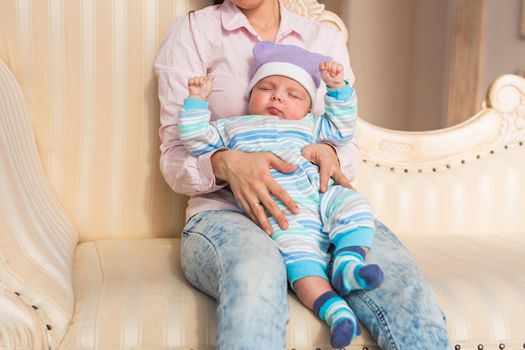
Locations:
(281, 93)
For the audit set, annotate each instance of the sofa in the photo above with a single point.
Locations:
(90, 232)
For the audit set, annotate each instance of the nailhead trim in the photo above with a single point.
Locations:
(447, 166)
(457, 347)
(48, 327)
(502, 346)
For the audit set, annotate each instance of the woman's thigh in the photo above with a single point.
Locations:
(403, 312)
(227, 256)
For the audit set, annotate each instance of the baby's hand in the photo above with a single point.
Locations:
(200, 87)
(332, 74)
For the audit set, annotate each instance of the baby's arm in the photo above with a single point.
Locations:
(197, 134)
(337, 125)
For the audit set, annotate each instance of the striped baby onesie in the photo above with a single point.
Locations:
(339, 214)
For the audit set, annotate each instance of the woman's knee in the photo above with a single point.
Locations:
(259, 268)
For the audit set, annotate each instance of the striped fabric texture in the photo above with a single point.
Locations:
(86, 70)
(255, 133)
(37, 241)
(483, 196)
(480, 285)
(130, 292)
(20, 326)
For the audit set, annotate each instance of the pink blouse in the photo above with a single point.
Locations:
(218, 40)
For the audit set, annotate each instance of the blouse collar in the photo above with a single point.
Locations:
(232, 18)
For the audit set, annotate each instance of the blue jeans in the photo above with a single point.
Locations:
(227, 256)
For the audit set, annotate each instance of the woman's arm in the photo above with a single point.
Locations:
(178, 60)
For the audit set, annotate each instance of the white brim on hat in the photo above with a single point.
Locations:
(287, 70)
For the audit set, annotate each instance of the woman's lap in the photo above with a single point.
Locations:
(227, 256)
(224, 251)
(403, 312)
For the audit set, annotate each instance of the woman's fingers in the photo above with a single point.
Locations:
(261, 204)
(325, 157)
(342, 180)
(274, 188)
(253, 185)
(267, 205)
(325, 173)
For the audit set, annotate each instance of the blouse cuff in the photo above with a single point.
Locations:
(349, 158)
(206, 171)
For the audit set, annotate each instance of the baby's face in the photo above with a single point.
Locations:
(279, 96)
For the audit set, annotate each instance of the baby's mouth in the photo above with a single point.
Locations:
(274, 111)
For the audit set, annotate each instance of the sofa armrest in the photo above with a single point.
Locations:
(465, 179)
(37, 241)
(20, 326)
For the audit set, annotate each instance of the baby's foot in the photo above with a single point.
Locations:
(351, 273)
(332, 309)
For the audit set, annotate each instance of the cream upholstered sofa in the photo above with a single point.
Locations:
(89, 231)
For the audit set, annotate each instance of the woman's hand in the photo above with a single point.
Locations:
(325, 157)
(252, 184)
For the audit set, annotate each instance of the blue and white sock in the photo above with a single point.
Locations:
(351, 273)
(332, 309)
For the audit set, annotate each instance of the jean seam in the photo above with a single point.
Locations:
(380, 316)
(219, 264)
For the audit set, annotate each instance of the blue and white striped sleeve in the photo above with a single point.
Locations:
(197, 133)
(338, 123)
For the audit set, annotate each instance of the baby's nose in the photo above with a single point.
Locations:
(276, 97)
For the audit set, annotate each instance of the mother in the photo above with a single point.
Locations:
(224, 253)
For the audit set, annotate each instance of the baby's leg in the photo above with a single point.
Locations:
(348, 219)
(303, 246)
(317, 294)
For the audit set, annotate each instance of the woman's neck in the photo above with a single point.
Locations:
(265, 19)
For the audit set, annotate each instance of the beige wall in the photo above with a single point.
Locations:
(398, 51)
(504, 49)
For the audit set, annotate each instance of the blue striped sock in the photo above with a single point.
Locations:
(351, 273)
(332, 309)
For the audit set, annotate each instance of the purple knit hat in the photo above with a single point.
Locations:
(290, 61)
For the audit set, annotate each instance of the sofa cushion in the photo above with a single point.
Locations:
(37, 241)
(480, 285)
(133, 294)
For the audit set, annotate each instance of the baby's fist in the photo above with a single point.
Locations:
(200, 87)
(332, 74)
